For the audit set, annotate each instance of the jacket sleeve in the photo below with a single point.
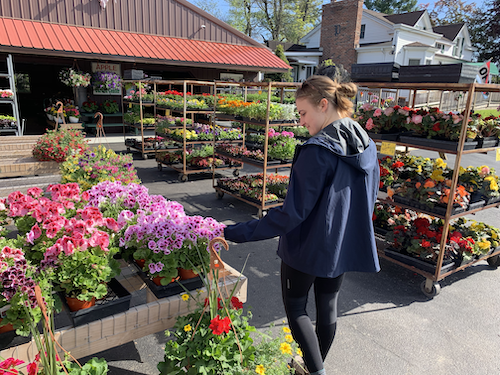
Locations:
(307, 182)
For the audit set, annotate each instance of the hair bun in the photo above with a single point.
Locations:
(347, 89)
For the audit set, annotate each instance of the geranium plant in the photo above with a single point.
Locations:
(58, 145)
(100, 164)
(6, 94)
(216, 338)
(110, 106)
(90, 106)
(74, 78)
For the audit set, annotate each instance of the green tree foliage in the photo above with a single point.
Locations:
(285, 21)
(392, 6)
(280, 77)
(484, 28)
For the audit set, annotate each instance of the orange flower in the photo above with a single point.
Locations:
(390, 192)
(397, 210)
(448, 183)
(429, 184)
(461, 190)
(417, 185)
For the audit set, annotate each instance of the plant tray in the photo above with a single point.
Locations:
(418, 263)
(271, 122)
(488, 142)
(383, 137)
(260, 162)
(437, 209)
(171, 289)
(380, 231)
(492, 200)
(437, 143)
(116, 301)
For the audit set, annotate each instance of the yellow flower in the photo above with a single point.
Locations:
(461, 170)
(494, 235)
(493, 185)
(286, 348)
(187, 328)
(440, 163)
(260, 370)
(289, 338)
(437, 175)
(419, 169)
(185, 296)
(286, 330)
(299, 352)
(483, 245)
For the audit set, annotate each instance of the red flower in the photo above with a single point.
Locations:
(218, 325)
(380, 185)
(425, 243)
(436, 127)
(237, 304)
(397, 164)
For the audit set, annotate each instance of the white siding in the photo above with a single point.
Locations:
(373, 57)
(313, 39)
(375, 31)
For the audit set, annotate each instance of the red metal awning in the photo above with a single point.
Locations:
(43, 38)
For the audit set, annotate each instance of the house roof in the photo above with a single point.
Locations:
(380, 16)
(449, 31)
(417, 44)
(410, 18)
(51, 39)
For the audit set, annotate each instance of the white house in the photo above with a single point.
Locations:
(406, 39)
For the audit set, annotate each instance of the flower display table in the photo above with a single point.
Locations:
(147, 315)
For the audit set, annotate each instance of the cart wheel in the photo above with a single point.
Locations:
(261, 213)
(145, 156)
(183, 177)
(219, 194)
(160, 167)
(236, 172)
(433, 292)
(494, 261)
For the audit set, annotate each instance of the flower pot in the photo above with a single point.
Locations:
(50, 117)
(140, 262)
(186, 274)
(6, 328)
(73, 119)
(75, 304)
(384, 136)
(157, 280)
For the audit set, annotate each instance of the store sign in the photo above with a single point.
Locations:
(110, 75)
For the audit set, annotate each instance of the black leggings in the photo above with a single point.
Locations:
(295, 286)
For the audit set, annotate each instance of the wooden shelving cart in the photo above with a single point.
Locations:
(430, 286)
(269, 86)
(183, 169)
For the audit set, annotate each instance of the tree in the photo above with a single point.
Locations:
(392, 6)
(212, 7)
(485, 31)
(280, 77)
(281, 20)
(448, 12)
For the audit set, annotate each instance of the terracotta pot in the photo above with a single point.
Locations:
(157, 280)
(75, 304)
(141, 262)
(186, 274)
(6, 328)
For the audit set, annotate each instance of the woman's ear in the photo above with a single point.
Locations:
(323, 104)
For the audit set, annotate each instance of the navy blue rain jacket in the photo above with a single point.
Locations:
(325, 224)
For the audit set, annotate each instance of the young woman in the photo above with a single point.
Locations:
(325, 223)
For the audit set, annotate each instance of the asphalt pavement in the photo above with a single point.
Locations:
(386, 324)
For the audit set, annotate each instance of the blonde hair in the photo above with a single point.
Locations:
(316, 88)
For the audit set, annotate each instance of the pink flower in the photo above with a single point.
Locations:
(416, 119)
(377, 113)
(369, 124)
(111, 224)
(99, 239)
(33, 234)
(32, 368)
(484, 171)
(389, 111)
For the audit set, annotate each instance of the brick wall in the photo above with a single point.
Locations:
(340, 28)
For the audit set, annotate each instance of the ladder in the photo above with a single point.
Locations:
(12, 86)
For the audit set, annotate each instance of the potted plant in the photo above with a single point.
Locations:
(57, 145)
(110, 106)
(90, 106)
(74, 78)
(6, 94)
(92, 167)
(106, 81)
(7, 122)
(72, 113)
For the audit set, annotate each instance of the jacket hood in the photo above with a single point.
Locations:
(348, 140)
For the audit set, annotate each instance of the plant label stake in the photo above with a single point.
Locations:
(60, 114)
(216, 263)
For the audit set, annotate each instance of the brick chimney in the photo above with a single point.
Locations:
(340, 29)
